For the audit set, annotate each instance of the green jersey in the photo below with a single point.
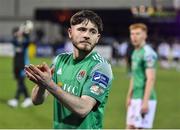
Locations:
(91, 76)
(142, 59)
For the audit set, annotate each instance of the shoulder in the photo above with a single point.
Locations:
(62, 56)
(101, 65)
(150, 57)
(148, 51)
(97, 58)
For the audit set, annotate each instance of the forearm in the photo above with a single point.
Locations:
(129, 95)
(74, 103)
(148, 89)
(38, 95)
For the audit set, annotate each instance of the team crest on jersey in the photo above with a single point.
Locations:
(81, 74)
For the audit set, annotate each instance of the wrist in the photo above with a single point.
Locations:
(145, 101)
(51, 84)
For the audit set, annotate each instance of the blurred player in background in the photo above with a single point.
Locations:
(164, 52)
(141, 97)
(21, 41)
(81, 80)
(176, 54)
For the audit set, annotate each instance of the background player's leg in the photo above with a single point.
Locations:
(23, 89)
(14, 102)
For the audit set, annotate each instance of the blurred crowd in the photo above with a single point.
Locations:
(168, 50)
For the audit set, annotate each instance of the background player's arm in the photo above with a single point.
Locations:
(150, 75)
(129, 94)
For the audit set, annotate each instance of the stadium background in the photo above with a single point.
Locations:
(49, 38)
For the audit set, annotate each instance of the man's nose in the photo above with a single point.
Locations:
(86, 35)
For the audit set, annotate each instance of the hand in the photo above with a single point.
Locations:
(144, 108)
(40, 74)
(42, 68)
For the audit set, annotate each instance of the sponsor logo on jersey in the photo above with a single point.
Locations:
(96, 90)
(70, 89)
(100, 78)
(81, 74)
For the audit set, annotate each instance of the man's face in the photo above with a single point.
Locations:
(138, 36)
(84, 36)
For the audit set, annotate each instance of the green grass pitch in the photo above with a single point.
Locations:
(167, 87)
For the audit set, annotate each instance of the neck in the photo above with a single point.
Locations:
(140, 45)
(80, 55)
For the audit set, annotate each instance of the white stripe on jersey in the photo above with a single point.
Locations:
(99, 58)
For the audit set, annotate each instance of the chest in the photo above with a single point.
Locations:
(137, 61)
(72, 77)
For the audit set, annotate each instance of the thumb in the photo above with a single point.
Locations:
(46, 67)
(52, 70)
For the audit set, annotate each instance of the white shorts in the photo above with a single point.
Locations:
(134, 116)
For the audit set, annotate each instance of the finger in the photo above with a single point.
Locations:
(31, 77)
(35, 70)
(35, 77)
(39, 78)
(52, 70)
(32, 74)
(40, 67)
(46, 67)
(27, 68)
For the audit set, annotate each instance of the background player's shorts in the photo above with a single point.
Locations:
(134, 116)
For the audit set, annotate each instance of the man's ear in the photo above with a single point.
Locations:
(70, 33)
(98, 37)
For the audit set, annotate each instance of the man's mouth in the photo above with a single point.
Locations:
(85, 42)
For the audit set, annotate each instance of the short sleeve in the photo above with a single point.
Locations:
(53, 65)
(150, 59)
(99, 82)
(54, 61)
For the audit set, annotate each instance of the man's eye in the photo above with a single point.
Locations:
(93, 32)
(81, 29)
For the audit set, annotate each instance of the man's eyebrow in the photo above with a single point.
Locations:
(94, 29)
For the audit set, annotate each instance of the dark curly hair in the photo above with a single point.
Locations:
(80, 16)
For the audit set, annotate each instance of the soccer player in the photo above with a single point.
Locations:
(141, 97)
(21, 42)
(176, 55)
(164, 52)
(80, 81)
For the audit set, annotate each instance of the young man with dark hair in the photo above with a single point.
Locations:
(80, 81)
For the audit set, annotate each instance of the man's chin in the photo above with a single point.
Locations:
(86, 49)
